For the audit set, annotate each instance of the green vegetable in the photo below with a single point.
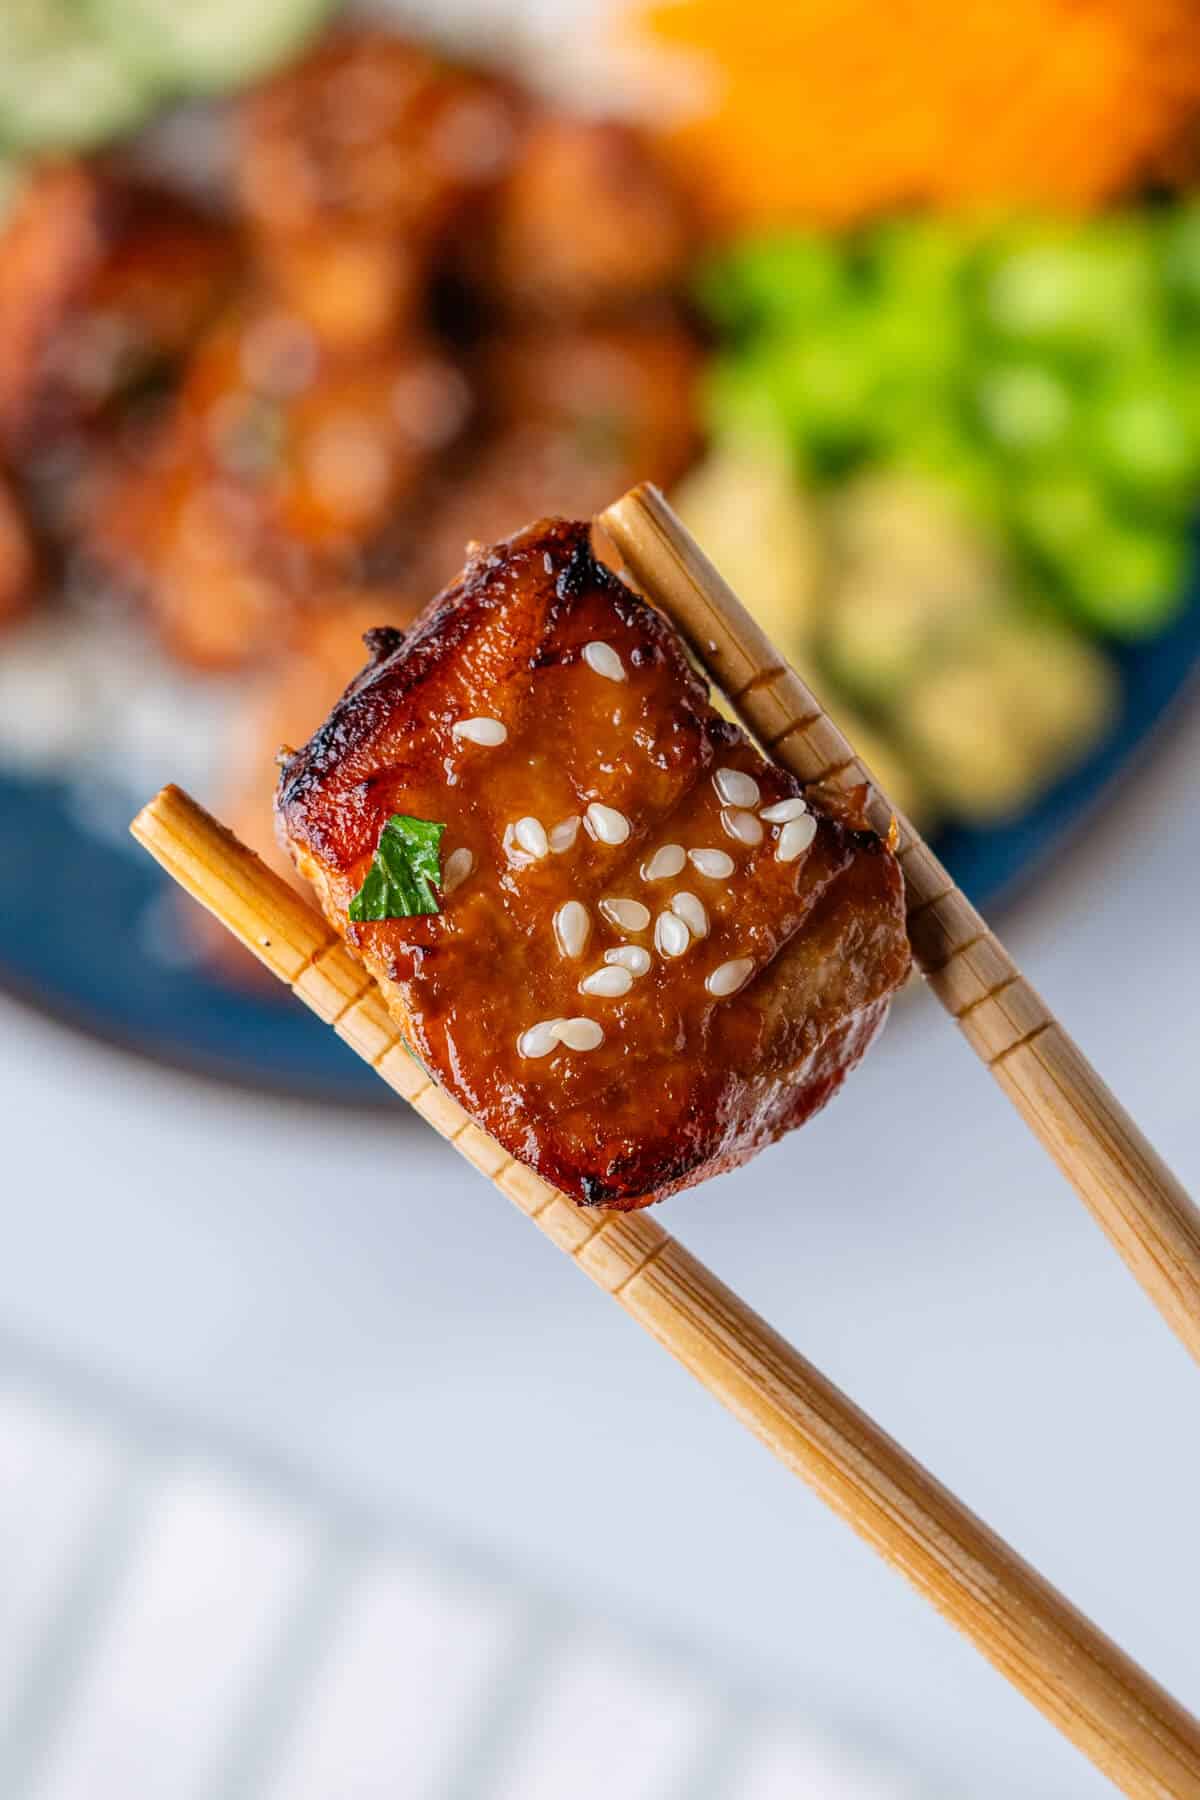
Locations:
(967, 473)
(64, 85)
(1127, 578)
(206, 46)
(741, 398)
(1045, 373)
(774, 283)
(922, 262)
(1081, 290)
(1140, 438)
(1057, 510)
(1181, 258)
(1025, 407)
(404, 871)
(827, 383)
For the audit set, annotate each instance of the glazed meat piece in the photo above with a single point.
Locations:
(353, 165)
(107, 284)
(654, 955)
(586, 221)
(276, 465)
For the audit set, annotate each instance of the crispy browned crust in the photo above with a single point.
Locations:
(684, 1085)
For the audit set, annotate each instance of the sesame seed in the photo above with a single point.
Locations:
(716, 864)
(736, 788)
(609, 983)
(631, 957)
(687, 907)
(580, 1034)
(539, 1040)
(459, 864)
(606, 823)
(671, 935)
(784, 811)
(488, 732)
(795, 838)
(530, 835)
(729, 977)
(572, 927)
(741, 825)
(604, 660)
(563, 835)
(627, 915)
(667, 860)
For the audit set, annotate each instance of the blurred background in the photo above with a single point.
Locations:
(316, 1478)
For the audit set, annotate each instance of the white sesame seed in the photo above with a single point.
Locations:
(687, 907)
(631, 957)
(729, 977)
(563, 835)
(716, 864)
(539, 1040)
(795, 838)
(459, 864)
(671, 935)
(580, 1034)
(667, 860)
(736, 788)
(604, 660)
(572, 927)
(606, 823)
(741, 825)
(530, 835)
(610, 983)
(784, 811)
(627, 915)
(488, 732)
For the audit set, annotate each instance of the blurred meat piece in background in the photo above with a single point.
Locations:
(108, 283)
(622, 396)
(277, 464)
(572, 416)
(586, 221)
(353, 167)
(49, 244)
(17, 562)
(426, 308)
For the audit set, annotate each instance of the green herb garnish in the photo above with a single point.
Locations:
(405, 869)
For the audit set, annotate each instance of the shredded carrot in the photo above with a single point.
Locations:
(829, 110)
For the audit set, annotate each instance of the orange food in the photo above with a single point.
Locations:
(829, 110)
(17, 566)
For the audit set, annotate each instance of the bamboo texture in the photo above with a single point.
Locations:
(1124, 1183)
(1110, 1708)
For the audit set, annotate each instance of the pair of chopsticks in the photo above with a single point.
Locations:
(1122, 1180)
(1109, 1707)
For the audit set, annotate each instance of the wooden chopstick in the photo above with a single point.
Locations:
(1110, 1708)
(1126, 1186)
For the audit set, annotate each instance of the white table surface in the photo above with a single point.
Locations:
(343, 1290)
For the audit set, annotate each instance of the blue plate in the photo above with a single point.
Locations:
(90, 933)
